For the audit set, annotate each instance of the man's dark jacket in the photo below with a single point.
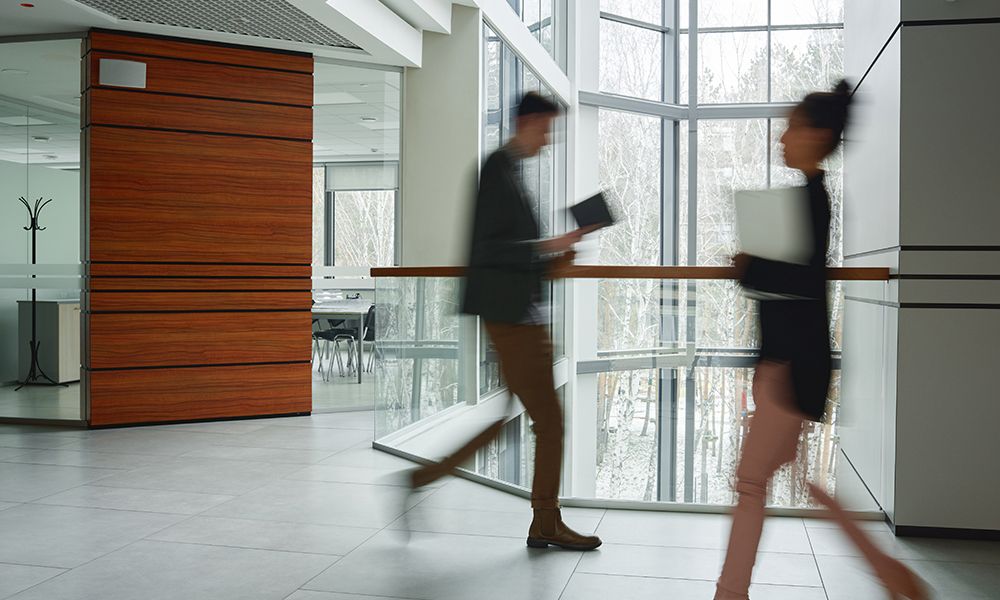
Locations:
(505, 270)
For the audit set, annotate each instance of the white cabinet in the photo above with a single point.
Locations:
(58, 332)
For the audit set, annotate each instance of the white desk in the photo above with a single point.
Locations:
(349, 310)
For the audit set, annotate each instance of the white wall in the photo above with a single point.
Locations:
(440, 151)
(920, 399)
(867, 26)
(58, 244)
(951, 186)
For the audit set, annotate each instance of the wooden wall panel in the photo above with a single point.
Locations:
(199, 232)
(126, 341)
(203, 115)
(197, 270)
(275, 60)
(199, 198)
(192, 394)
(196, 284)
(185, 77)
(128, 301)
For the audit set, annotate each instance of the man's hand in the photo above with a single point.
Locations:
(564, 243)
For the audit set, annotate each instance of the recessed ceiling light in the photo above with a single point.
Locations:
(13, 72)
(369, 119)
(374, 149)
(41, 138)
(51, 156)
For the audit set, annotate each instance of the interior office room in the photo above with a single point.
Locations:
(233, 248)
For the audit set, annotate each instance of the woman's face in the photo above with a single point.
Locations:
(803, 145)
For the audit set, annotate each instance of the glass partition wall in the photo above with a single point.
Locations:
(355, 206)
(40, 162)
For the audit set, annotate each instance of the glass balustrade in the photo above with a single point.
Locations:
(657, 389)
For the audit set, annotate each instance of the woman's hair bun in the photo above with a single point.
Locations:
(830, 110)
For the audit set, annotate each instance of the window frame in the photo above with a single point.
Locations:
(688, 112)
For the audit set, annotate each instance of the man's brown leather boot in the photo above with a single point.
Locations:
(548, 529)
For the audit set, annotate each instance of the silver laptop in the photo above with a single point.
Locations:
(774, 224)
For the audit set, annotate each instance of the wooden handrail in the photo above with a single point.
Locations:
(622, 272)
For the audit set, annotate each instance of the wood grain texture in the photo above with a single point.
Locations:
(193, 284)
(169, 76)
(159, 196)
(191, 50)
(164, 395)
(197, 301)
(120, 341)
(197, 270)
(158, 111)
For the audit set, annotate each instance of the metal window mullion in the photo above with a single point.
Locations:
(634, 22)
(689, 400)
(769, 58)
(761, 28)
(634, 105)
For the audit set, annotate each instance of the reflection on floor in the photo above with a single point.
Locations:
(303, 509)
(41, 402)
(63, 403)
(343, 393)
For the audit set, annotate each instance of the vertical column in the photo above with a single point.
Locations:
(919, 392)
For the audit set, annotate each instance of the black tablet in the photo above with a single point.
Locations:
(593, 211)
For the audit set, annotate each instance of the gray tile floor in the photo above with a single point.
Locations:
(303, 509)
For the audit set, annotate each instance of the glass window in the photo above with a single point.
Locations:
(804, 61)
(797, 12)
(631, 61)
(358, 218)
(627, 424)
(731, 13)
(649, 11)
(732, 67)
(732, 155)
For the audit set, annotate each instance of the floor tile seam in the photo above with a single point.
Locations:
(43, 464)
(571, 575)
(375, 597)
(39, 499)
(314, 577)
(490, 535)
(125, 510)
(256, 461)
(13, 563)
(68, 467)
(716, 549)
(812, 548)
(374, 530)
(46, 580)
(365, 429)
(663, 578)
(381, 485)
(335, 452)
(235, 547)
(102, 452)
(147, 489)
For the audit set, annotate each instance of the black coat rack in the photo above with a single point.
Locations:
(36, 376)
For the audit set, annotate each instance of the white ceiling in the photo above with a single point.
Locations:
(346, 97)
(40, 83)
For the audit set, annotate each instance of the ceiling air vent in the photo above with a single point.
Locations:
(270, 19)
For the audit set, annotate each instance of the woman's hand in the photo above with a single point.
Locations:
(741, 262)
